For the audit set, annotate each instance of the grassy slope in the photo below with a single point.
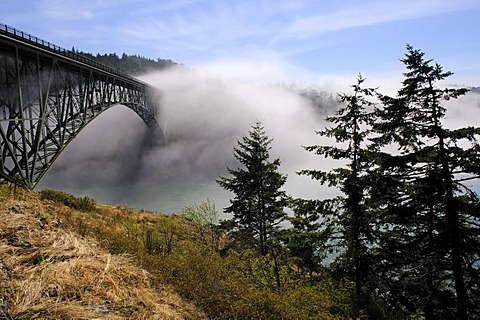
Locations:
(111, 262)
(50, 271)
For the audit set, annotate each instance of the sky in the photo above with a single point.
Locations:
(267, 40)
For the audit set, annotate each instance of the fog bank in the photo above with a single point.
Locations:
(203, 117)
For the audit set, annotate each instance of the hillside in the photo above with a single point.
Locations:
(49, 271)
(131, 64)
(63, 257)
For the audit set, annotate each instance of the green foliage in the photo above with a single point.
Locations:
(237, 286)
(407, 225)
(350, 221)
(162, 239)
(258, 205)
(84, 204)
(306, 240)
(6, 191)
(422, 225)
(205, 220)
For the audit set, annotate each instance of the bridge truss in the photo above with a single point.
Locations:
(48, 95)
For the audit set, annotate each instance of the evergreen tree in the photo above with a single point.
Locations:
(307, 239)
(350, 221)
(259, 202)
(429, 245)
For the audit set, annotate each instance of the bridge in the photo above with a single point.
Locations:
(49, 94)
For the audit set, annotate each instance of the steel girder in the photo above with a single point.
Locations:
(47, 98)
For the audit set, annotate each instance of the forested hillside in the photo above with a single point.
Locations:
(130, 64)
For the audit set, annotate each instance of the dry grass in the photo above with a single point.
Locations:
(49, 272)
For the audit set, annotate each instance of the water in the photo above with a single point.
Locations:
(169, 196)
(164, 198)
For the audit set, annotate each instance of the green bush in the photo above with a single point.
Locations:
(232, 284)
(228, 287)
(84, 204)
(6, 191)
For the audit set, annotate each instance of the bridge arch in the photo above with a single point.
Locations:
(48, 95)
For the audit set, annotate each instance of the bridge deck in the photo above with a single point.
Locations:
(14, 34)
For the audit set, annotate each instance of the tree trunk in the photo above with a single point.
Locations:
(453, 221)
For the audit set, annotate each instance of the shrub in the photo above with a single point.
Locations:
(231, 284)
(84, 204)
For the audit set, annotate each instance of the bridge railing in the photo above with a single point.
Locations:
(26, 37)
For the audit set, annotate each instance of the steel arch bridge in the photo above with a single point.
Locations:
(48, 95)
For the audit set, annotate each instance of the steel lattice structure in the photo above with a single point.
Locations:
(48, 95)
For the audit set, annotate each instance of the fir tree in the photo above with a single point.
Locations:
(350, 221)
(259, 202)
(430, 218)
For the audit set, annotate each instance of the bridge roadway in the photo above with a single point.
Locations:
(49, 94)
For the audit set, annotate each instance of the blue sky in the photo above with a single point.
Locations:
(274, 39)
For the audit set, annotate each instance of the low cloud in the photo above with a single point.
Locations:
(203, 116)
